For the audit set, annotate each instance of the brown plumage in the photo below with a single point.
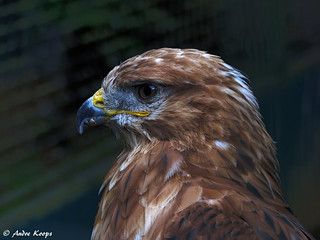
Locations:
(199, 165)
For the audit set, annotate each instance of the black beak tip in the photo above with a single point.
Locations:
(80, 128)
(81, 122)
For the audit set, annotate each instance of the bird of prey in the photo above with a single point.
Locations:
(197, 162)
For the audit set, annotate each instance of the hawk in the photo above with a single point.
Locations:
(197, 162)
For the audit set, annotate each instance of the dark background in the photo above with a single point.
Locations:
(54, 54)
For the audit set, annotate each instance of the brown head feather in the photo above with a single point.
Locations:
(201, 166)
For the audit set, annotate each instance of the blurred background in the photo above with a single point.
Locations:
(54, 54)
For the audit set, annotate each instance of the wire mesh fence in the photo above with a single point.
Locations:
(54, 54)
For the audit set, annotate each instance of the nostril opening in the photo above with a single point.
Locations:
(98, 104)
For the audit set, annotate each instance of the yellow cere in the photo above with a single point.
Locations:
(97, 100)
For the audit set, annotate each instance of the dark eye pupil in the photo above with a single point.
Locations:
(147, 91)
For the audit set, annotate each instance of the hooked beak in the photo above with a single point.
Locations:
(93, 112)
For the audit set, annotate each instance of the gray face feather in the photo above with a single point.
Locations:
(127, 98)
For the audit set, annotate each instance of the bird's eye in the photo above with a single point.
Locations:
(147, 91)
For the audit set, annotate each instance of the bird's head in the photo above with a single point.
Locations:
(187, 96)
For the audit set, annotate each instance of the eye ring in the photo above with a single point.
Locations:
(147, 91)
